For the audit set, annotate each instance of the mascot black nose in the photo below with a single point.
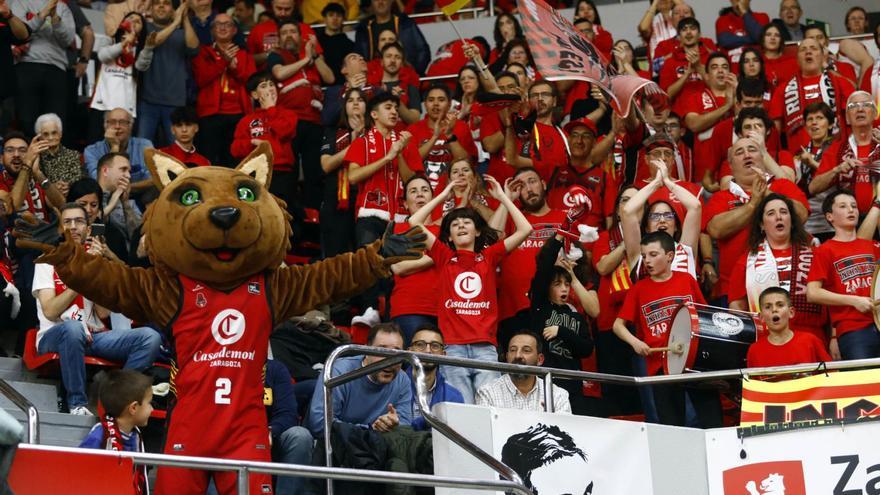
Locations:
(225, 217)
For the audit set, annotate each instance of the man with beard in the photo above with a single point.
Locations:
(441, 137)
(519, 390)
(366, 38)
(392, 56)
(300, 76)
(544, 146)
(381, 401)
(429, 339)
(264, 39)
(682, 66)
(518, 267)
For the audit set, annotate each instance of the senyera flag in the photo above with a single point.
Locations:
(450, 7)
(562, 52)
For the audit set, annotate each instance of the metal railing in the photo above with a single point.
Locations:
(244, 468)
(418, 15)
(393, 357)
(21, 402)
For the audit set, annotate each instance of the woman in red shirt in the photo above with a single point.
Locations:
(467, 258)
(779, 66)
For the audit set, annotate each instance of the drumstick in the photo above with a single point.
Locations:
(675, 348)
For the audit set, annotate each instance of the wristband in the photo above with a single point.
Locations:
(45, 183)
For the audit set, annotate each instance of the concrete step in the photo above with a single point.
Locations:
(43, 396)
(12, 364)
(60, 429)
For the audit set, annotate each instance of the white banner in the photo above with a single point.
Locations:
(822, 461)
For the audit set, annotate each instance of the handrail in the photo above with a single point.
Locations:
(417, 15)
(394, 356)
(243, 468)
(21, 402)
(860, 37)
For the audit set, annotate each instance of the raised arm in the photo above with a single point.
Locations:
(523, 227)
(690, 228)
(631, 219)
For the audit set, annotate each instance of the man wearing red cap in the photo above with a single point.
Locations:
(661, 147)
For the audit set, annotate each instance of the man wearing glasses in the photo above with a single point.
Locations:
(118, 139)
(71, 324)
(429, 339)
(852, 163)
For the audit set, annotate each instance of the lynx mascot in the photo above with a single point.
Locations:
(217, 239)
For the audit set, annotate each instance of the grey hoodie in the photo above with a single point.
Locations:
(49, 41)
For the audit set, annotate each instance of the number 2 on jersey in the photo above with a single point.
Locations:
(224, 388)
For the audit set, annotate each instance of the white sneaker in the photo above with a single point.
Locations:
(81, 411)
(370, 318)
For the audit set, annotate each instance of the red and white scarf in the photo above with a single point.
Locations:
(762, 272)
(383, 191)
(850, 179)
(113, 441)
(793, 98)
(875, 82)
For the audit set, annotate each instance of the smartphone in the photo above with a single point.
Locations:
(97, 230)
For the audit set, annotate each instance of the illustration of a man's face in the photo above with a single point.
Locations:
(545, 457)
(556, 477)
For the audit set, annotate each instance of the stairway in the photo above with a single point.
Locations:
(55, 428)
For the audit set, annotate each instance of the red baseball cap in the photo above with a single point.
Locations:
(588, 123)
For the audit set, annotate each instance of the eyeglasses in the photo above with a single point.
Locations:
(545, 94)
(867, 105)
(657, 216)
(10, 149)
(119, 122)
(421, 345)
(74, 221)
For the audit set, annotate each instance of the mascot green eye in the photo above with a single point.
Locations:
(246, 194)
(190, 197)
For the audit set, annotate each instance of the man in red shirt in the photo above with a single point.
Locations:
(300, 70)
(782, 346)
(544, 146)
(847, 162)
(264, 39)
(392, 58)
(221, 71)
(831, 62)
(184, 128)
(440, 136)
(738, 27)
(811, 83)
(842, 274)
(754, 123)
(518, 268)
(493, 130)
(703, 105)
(649, 306)
(728, 215)
(683, 63)
(380, 162)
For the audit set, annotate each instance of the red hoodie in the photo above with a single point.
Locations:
(276, 125)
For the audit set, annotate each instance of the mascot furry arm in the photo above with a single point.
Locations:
(218, 226)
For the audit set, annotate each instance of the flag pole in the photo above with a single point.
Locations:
(480, 64)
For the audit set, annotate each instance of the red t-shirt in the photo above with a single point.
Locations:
(612, 287)
(779, 70)
(548, 149)
(732, 23)
(722, 139)
(802, 348)
(732, 247)
(381, 195)
(858, 179)
(276, 125)
(187, 157)
(264, 37)
(468, 303)
(650, 306)
(34, 201)
(518, 268)
(439, 158)
(846, 268)
(415, 294)
(699, 99)
(811, 319)
(592, 179)
(676, 65)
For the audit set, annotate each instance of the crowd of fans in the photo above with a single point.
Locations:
(559, 233)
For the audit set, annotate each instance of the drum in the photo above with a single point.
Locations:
(707, 338)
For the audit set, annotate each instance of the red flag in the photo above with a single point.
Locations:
(624, 87)
(561, 51)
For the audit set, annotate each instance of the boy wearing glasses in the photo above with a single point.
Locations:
(71, 324)
(847, 162)
(429, 339)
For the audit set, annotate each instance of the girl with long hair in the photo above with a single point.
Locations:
(779, 66)
(507, 28)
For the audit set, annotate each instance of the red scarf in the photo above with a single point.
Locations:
(380, 195)
(343, 188)
(850, 150)
(793, 98)
(113, 441)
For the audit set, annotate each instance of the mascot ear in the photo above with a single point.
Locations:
(164, 168)
(258, 164)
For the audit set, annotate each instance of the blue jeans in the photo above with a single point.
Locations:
(294, 446)
(409, 324)
(137, 347)
(469, 380)
(153, 117)
(860, 344)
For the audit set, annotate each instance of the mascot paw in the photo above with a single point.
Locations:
(405, 246)
(32, 233)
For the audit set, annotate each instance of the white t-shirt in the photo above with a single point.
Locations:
(44, 278)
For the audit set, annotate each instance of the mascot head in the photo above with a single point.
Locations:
(214, 224)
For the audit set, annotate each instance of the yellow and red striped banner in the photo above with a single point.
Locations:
(812, 401)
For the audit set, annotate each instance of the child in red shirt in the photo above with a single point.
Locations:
(467, 260)
(650, 305)
(782, 346)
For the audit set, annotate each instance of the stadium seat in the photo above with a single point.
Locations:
(49, 363)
